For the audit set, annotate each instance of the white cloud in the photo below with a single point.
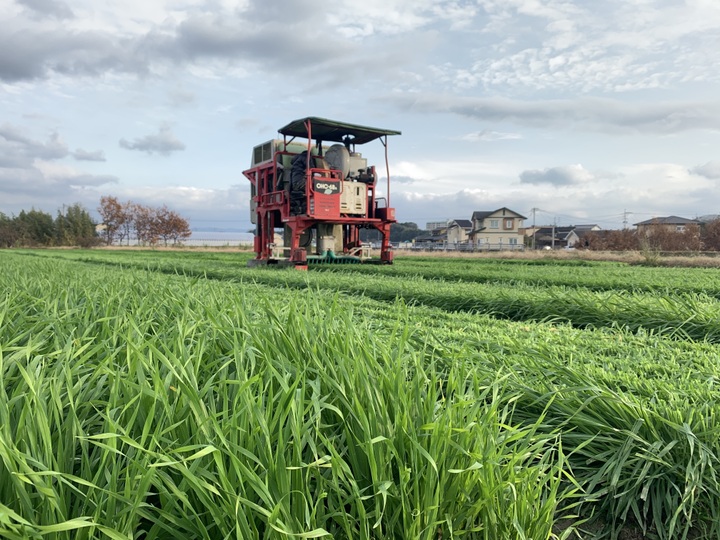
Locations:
(711, 169)
(669, 181)
(487, 135)
(565, 175)
(32, 170)
(600, 114)
(18, 150)
(85, 155)
(616, 86)
(583, 196)
(181, 98)
(47, 8)
(389, 17)
(163, 142)
(433, 177)
(589, 47)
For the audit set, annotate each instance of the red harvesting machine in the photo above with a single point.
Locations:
(310, 199)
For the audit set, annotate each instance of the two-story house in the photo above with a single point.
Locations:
(497, 229)
(458, 231)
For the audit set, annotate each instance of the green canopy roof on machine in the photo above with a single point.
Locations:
(332, 131)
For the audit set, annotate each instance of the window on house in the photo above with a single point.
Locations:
(513, 241)
(508, 224)
(680, 228)
(494, 223)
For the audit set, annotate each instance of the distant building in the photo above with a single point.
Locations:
(582, 232)
(497, 229)
(669, 223)
(458, 231)
(564, 236)
(487, 230)
(434, 238)
(433, 225)
(555, 237)
(587, 227)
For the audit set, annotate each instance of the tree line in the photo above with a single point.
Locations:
(123, 221)
(705, 237)
(74, 226)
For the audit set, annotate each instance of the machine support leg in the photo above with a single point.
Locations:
(386, 255)
(298, 255)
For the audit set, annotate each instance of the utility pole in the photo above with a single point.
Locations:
(533, 210)
(625, 218)
(552, 241)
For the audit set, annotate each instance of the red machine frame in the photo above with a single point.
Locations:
(323, 188)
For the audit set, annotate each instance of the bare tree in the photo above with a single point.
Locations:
(180, 228)
(664, 238)
(145, 224)
(710, 235)
(149, 225)
(111, 212)
(127, 222)
(170, 226)
(9, 234)
(623, 240)
(613, 240)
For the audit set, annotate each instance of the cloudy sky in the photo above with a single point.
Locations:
(582, 110)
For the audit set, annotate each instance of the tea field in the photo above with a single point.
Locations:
(162, 395)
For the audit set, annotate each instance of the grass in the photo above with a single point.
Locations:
(684, 315)
(136, 404)
(142, 403)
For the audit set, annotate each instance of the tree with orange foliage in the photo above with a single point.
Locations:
(710, 235)
(149, 225)
(663, 238)
(144, 218)
(612, 240)
(171, 226)
(113, 216)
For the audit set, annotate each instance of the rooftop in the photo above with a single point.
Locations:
(333, 131)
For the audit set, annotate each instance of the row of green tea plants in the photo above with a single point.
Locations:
(694, 316)
(139, 403)
(593, 275)
(638, 413)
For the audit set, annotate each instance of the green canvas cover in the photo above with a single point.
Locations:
(332, 131)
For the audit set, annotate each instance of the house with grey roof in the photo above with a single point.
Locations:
(432, 239)
(497, 229)
(458, 231)
(564, 236)
(669, 223)
(555, 237)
